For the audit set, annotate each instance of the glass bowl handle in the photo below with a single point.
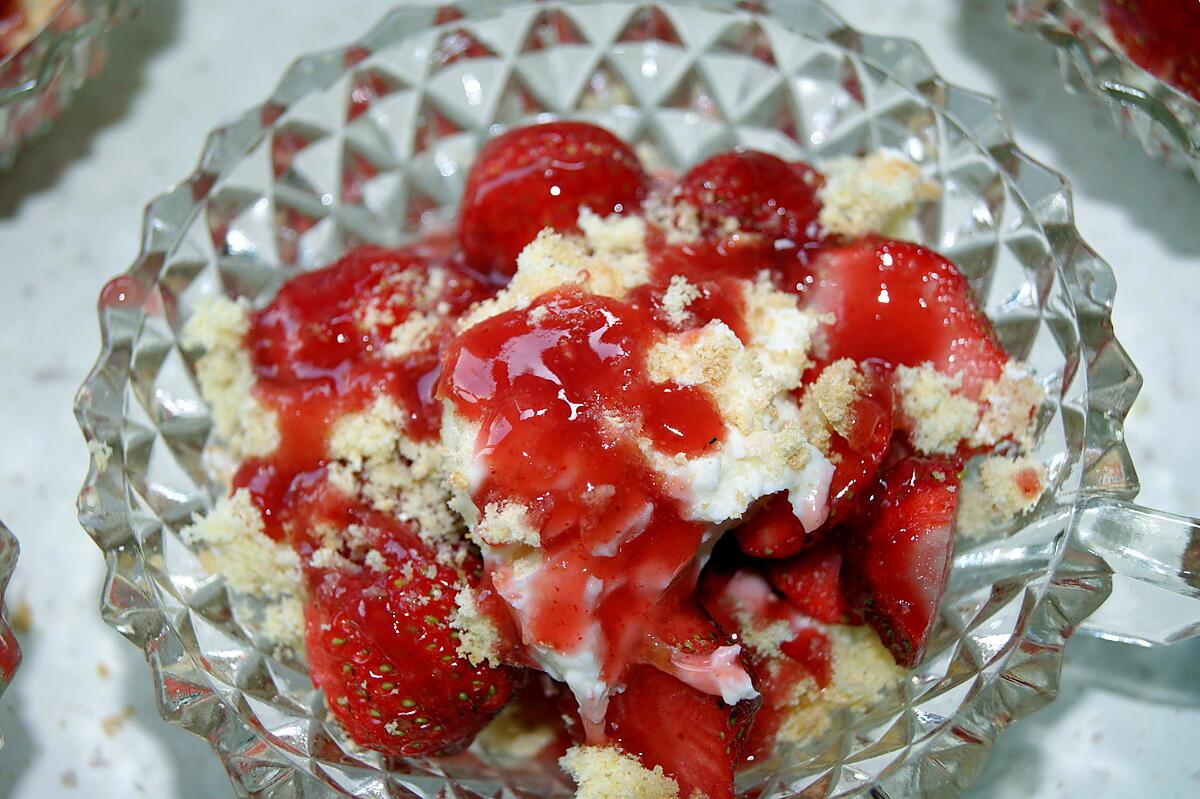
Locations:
(1155, 559)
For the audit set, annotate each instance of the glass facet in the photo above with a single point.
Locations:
(1157, 115)
(371, 143)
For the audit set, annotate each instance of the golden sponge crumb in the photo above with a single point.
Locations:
(873, 194)
(608, 260)
(679, 222)
(998, 491)
(514, 736)
(231, 542)
(504, 524)
(478, 638)
(226, 378)
(678, 296)
(605, 772)
(231, 534)
(411, 335)
(1009, 405)
(373, 457)
(863, 672)
(780, 333)
(826, 404)
(941, 417)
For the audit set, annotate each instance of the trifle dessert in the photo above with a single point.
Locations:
(642, 474)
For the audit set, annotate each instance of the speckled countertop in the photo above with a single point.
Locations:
(80, 719)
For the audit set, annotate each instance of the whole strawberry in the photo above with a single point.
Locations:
(753, 192)
(537, 177)
(380, 645)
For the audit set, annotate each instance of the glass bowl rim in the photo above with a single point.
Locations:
(1078, 585)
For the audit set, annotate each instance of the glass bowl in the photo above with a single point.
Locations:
(371, 143)
(1162, 118)
(40, 78)
(10, 649)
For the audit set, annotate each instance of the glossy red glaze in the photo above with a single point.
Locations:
(315, 358)
(543, 384)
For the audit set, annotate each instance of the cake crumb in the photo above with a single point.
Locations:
(478, 638)
(373, 457)
(614, 235)
(998, 491)
(678, 221)
(676, 299)
(765, 639)
(69, 779)
(283, 623)
(236, 546)
(505, 524)
(1009, 407)
(22, 617)
(515, 736)
(226, 378)
(940, 416)
(872, 194)
(781, 333)
(114, 723)
(598, 265)
(863, 672)
(103, 671)
(826, 405)
(605, 772)
(411, 335)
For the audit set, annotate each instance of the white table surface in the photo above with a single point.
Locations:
(80, 719)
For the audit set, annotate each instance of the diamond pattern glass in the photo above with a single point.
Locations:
(371, 143)
(1157, 115)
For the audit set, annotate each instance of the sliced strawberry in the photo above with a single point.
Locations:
(380, 645)
(861, 451)
(811, 582)
(537, 177)
(775, 532)
(743, 603)
(696, 738)
(906, 305)
(758, 192)
(898, 553)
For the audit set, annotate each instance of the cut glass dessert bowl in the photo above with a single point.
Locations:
(42, 68)
(371, 144)
(1094, 60)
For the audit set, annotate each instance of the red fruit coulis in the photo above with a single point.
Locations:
(558, 391)
(315, 359)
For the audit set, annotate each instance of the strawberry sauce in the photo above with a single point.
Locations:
(317, 354)
(558, 391)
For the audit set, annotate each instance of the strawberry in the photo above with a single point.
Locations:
(1160, 36)
(759, 192)
(537, 177)
(811, 582)
(315, 324)
(743, 602)
(905, 304)
(381, 647)
(695, 737)
(898, 553)
(775, 532)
